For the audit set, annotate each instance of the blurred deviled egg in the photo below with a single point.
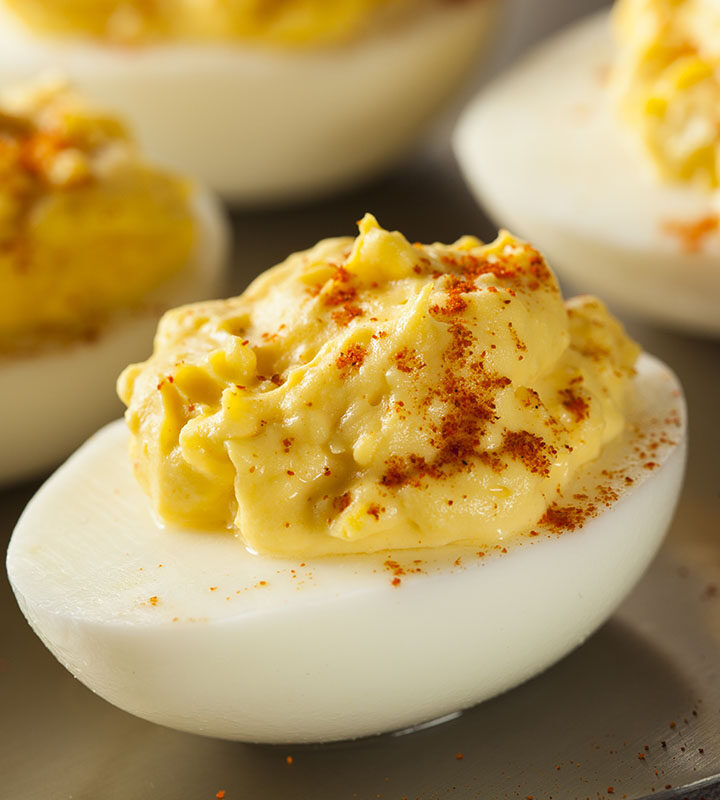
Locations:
(262, 101)
(607, 154)
(94, 245)
(393, 479)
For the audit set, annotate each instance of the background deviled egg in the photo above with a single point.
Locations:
(95, 245)
(567, 148)
(262, 106)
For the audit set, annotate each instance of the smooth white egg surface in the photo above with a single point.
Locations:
(188, 629)
(263, 125)
(545, 152)
(53, 398)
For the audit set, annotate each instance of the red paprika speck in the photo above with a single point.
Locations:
(576, 404)
(346, 314)
(352, 358)
(220, 795)
(342, 502)
(531, 450)
(396, 581)
(374, 510)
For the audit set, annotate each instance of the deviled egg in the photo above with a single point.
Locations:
(387, 482)
(96, 244)
(263, 102)
(604, 153)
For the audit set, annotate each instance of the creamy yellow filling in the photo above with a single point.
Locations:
(275, 22)
(372, 394)
(86, 227)
(667, 76)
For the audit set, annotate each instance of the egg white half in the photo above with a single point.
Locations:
(54, 398)
(188, 629)
(545, 152)
(263, 125)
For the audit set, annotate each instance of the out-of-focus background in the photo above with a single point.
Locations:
(531, 20)
(429, 201)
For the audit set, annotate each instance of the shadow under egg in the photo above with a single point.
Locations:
(573, 731)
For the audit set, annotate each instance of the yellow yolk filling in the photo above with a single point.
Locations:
(667, 76)
(372, 394)
(275, 22)
(85, 227)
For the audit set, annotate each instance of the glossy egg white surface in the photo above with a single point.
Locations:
(54, 398)
(545, 152)
(188, 629)
(263, 125)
